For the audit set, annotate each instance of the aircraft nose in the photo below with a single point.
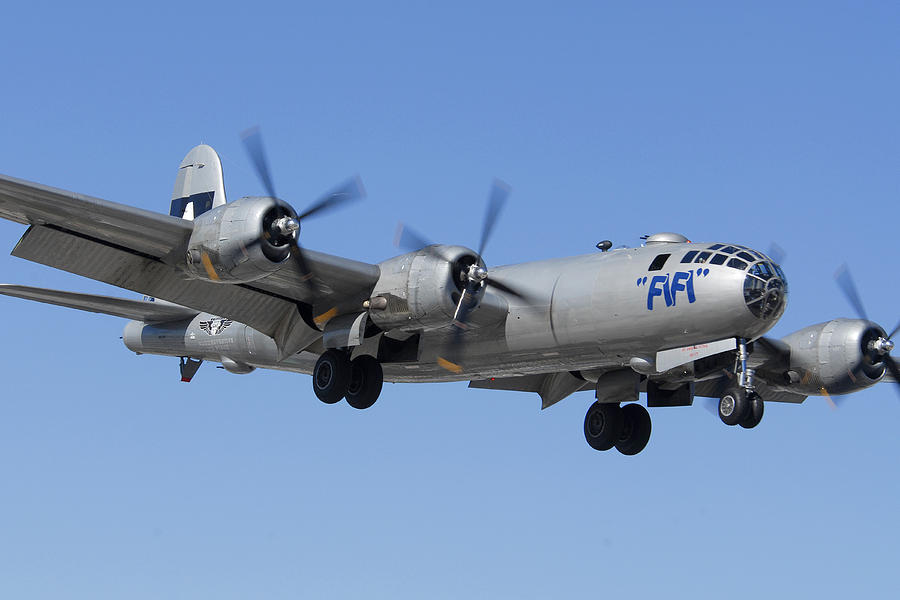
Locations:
(765, 289)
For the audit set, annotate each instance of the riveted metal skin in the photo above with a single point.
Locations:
(232, 243)
(837, 357)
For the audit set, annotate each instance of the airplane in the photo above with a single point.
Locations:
(229, 282)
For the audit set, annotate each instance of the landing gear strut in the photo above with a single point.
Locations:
(608, 425)
(742, 405)
(335, 376)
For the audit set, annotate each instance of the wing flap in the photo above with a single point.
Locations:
(139, 310)
(274, 315)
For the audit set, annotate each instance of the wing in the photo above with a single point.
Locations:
(137, 250)
(138, 310)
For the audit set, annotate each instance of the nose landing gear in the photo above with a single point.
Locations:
(742, 405)
(335, 376)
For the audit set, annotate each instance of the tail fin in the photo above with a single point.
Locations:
(199, 185)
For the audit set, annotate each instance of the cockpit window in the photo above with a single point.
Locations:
(736, 263)
(729, 250)
(689, 256)
(658, 262)
(746, 256)
(718, 259)
(716, 246)
(703, 257)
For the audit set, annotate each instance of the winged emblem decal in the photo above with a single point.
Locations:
(215, 326)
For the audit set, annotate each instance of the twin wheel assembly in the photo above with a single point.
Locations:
(335, 376)
(739, 406)
(608, 425)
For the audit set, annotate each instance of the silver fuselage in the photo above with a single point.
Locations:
(595, 311)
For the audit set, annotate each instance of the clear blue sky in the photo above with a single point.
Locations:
(768, 122)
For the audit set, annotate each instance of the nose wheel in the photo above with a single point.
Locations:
(335, 377)
(741, 404)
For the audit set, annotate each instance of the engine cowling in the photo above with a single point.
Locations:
(837, 357)
(233, 243)
(420, 290)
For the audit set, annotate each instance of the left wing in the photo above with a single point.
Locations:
(139, 310)
(139, 230)
(137, 250)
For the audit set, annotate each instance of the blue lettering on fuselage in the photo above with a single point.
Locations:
(669, 287)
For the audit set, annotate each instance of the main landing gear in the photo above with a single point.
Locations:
(608, 425)
(335, 376)
(741, 404)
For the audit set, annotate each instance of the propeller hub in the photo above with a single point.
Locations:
(882, 346)
(285, 226)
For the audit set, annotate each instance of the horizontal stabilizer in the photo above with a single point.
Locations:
(139, 310)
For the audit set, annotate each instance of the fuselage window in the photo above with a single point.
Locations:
(736, 263)
(689, 256)
(658, 262)
(703, 257)
(718, 259)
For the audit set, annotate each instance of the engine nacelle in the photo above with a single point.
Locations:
(420, 290)
(233, 243)
(836, 357)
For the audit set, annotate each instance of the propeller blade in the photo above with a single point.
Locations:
(777, 253)
(505, 287)
(409, 239)
(710, 405)
(891, 365)
(894, 332)
(306, 273)
(349, 191)
(499, 194)
(463, 308)
(779, 350)
(252, 139)
(449, 357)
(845, 281)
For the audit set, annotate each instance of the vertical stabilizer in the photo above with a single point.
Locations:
(199, 185)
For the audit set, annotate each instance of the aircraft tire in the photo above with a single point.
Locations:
(602, 425)
(331, 376)
(366, 379)
(754, 411)
(636, 426)
(733, 406)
